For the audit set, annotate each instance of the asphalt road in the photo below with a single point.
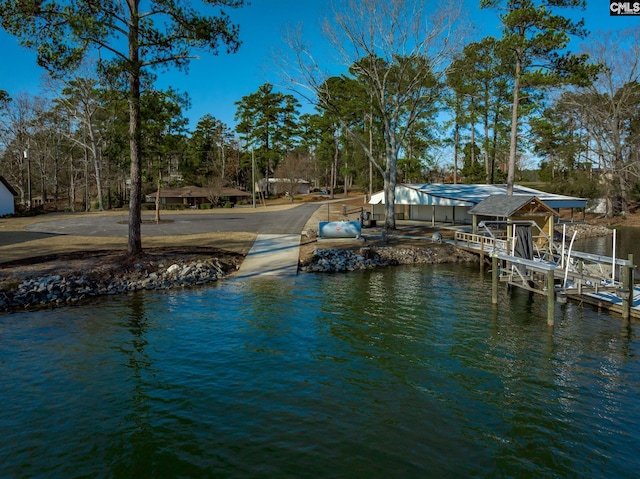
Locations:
(289, 221)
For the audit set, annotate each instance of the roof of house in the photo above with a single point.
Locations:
(234, 192)
(439, 194)
(8, 186)
(507, 206)
(285, 180)
(196, 192)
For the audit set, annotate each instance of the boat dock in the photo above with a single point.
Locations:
(555, 271)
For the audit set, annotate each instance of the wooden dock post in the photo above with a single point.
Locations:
(494, 279)
(631, 277)
(627, 287)
(551, 303)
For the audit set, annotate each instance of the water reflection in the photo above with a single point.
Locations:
(626, 243)
(408, 371)
(133, 448)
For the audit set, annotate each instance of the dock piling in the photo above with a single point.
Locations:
(494, 279)
(551, 304)
(627, 286)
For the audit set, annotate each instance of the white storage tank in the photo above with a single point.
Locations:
(340, 229)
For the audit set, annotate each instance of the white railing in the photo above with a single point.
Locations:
(482, 243)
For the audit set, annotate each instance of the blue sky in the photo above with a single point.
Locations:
(215, 83)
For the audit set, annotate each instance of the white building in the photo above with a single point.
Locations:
(280, 186)
(7, 198)
(448, 203)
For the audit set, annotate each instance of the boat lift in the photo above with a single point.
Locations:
(554, 270)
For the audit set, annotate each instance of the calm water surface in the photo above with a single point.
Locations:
(627, 242)
(400, 372)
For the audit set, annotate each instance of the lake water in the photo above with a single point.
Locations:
(627, 242)
(397, 372)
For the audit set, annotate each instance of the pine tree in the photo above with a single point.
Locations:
(130, 41)
(537, 38)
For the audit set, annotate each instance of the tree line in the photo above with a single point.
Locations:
(70, 150)
(416, 102)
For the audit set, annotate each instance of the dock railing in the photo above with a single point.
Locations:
(494, 238)
(482, 243)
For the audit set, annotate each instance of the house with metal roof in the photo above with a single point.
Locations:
(449, 203)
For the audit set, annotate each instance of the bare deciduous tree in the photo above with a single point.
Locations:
(399, 49)
(608, 109)
(80, 100)
(215, 184)
(293, 171)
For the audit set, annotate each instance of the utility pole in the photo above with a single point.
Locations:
(28, 160)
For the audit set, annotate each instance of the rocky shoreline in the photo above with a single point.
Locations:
(583, 230)
(340, 260)
(57, 290)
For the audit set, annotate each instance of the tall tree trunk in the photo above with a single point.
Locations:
(370, 149)
(23, 186)
(334, 167)
(43, 181)
(56, 178)
(473, 144)
(622, 186)
(224, 162)
(511, 168)
(134, 246)
(158, 203)
(72, 185)
(494, 147)
(87, 201)
(95, 153)
(346, 180)
(29, 191)
(157, 219)
(390, 176)
(607, 171)
(456, 141)
(619, 166)
(487, 162)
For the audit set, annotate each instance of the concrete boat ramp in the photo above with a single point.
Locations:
(276, 250)
(271, 255)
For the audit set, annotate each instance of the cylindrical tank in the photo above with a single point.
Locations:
(339, 229)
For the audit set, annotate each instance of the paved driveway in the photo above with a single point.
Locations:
(288, 221)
